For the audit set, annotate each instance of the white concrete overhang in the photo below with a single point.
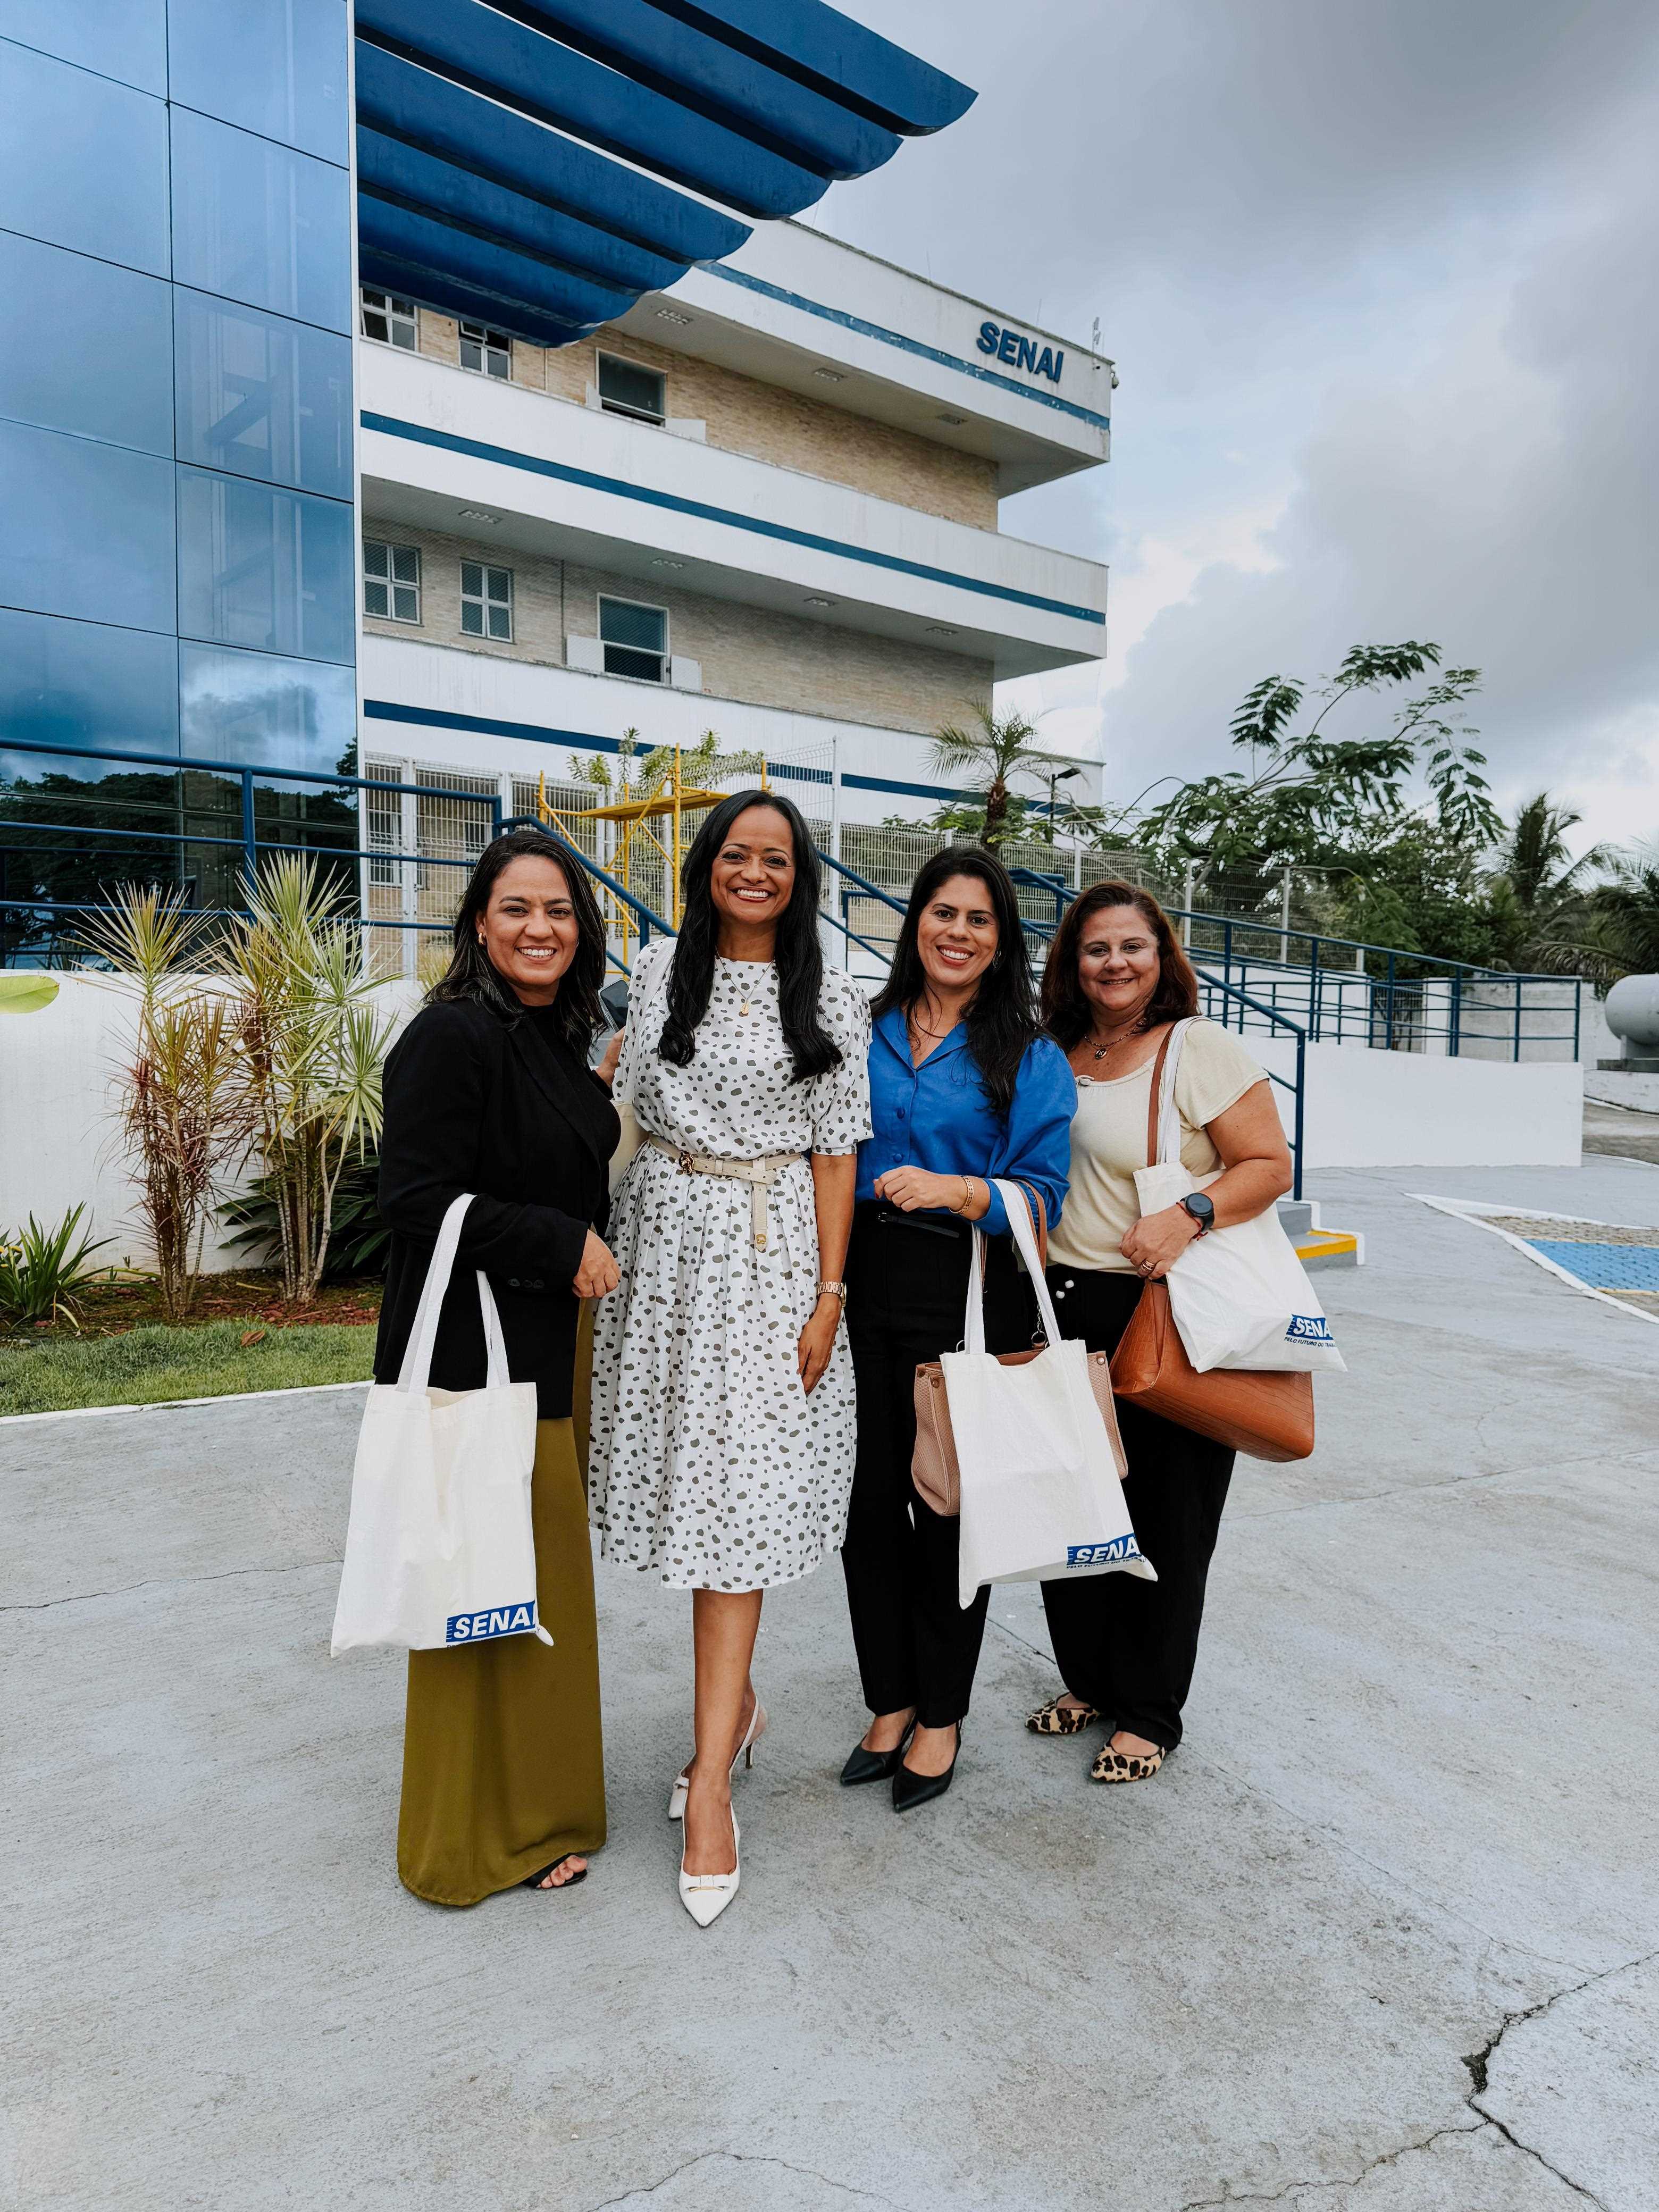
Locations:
(454, 706)
(566, 482)
(805, 311)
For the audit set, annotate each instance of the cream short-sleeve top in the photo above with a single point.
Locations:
(1109, 1143)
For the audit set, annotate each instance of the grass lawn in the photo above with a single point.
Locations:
(140, 1365)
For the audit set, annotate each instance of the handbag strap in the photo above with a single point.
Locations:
(1163, 1135)
(1018, 1204)
(416, 1373)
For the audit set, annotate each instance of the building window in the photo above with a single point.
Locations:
(486, 601)
(489, 352)
(625, 388)
(392, 321)
(392, 580)
(635, 640)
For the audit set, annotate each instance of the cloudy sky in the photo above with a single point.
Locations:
(1379, 278)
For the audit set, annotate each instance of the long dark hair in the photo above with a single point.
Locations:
(1002, 1016)
(472, 974)
(1066, 1014)
(797, 955)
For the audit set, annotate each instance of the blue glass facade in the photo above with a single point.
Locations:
(177, 565)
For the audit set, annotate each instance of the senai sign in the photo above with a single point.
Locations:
(1021, 352)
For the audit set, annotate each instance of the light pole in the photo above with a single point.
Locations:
(1058, 776)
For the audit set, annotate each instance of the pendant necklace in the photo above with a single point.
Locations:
(1112, 1043)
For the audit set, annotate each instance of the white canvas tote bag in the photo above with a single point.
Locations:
(439, 1548)
(1041, 1494)
(1239, 1296)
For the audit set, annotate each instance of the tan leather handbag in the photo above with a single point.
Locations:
(1268, 1416)
(933, 1468)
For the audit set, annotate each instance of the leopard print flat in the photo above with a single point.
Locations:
(1056, 1719)
(1125, 1765)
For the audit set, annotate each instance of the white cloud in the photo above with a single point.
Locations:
(1380, 289)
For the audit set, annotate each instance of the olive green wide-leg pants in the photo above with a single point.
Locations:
(503, 1760)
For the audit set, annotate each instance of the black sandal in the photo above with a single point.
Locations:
(535, 1880)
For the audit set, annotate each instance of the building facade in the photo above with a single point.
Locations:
(178, 537)
(457, 450)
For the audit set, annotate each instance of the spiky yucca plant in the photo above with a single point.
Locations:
(185, 1108)
(312, 1045)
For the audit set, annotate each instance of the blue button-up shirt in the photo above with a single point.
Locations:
(939, 1117)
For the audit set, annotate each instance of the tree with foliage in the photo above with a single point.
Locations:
(993, 750)
(1611, 929)
(1311, 798)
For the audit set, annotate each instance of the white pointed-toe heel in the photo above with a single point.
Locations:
(746, 1752)
(706, 1896)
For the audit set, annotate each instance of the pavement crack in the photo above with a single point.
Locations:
(166, 1581)
(744, 2158)
(1231, 2195)
(1479, 2063)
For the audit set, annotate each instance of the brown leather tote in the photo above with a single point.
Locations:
(1267, 1416)
(933, 1466)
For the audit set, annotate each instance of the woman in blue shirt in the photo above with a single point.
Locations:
(962, 1090)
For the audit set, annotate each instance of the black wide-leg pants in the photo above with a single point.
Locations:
(1128, 1646)
(906, 1287)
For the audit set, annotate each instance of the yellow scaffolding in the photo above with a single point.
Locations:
(673, 800)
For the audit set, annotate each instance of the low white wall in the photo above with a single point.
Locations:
(1379, 1110)
(1618, 1086)
(60, 1138)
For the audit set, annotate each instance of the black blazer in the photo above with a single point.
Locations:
(474, 1102)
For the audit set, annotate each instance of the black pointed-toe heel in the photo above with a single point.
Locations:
(911, 1789)
(863, 1766)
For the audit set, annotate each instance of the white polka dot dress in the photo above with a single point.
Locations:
(710, 1467)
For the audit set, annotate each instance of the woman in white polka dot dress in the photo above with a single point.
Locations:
(723, 1433)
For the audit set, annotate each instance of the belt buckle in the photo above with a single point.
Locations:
(684, 1160)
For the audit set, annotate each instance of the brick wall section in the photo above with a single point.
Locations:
(744, 416)
(756, 654)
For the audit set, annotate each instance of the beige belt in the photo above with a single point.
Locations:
(760, 1174)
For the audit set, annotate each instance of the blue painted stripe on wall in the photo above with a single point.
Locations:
(435, 718)
(907, 345)
(474, 449)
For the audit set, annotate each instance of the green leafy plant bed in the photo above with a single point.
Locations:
(142, 1366)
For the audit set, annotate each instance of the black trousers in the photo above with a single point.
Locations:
(907, 1284)
(1127, 1646)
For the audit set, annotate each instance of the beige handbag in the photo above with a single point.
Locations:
(933, 1466)
(1269, 1416)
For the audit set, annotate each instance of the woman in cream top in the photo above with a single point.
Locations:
(1117, 980)
(1108, 1138)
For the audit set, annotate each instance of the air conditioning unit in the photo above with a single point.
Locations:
(684, 675)
(586, 652)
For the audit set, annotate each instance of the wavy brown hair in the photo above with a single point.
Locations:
(1065, 1012)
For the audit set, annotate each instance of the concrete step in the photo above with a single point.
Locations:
(1315, 1245)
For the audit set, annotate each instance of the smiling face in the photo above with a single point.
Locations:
(956, 934)
(529, 928)
(753, 878)
(1118, 963)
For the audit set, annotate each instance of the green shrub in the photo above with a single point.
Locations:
(42, 1269)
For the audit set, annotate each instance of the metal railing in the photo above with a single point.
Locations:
(1343, 990)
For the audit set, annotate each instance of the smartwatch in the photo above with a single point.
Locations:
(1201, 1210)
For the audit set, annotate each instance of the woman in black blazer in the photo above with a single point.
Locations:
(488, 1091)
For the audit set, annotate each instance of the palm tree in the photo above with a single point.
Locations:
(1534, 852)
(1612, 929)
(1000, 748)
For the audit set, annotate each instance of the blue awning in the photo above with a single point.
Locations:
(486, 133)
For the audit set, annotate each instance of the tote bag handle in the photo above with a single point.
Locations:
(1017, 1205)
(416, 1373)
(1163, 1117)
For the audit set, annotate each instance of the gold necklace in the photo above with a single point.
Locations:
(1112, 1043)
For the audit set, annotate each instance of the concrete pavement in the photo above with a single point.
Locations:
(1380, 1937)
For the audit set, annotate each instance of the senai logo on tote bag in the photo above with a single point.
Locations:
(501, 1621)
(1309, 1329)
(1102, 1555)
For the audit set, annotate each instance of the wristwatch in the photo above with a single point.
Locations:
(828, 1290)
(1202, 1211)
